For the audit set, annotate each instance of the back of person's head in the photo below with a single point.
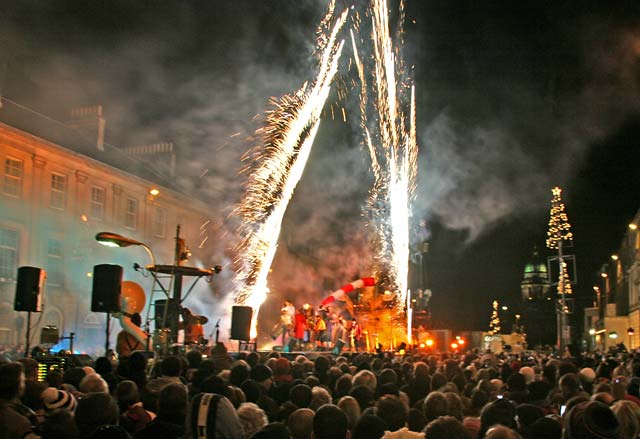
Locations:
(319, 397)
(628, 415)
(351, 408)
(591, 420)
(127, 394)
(300, 423)
(364, 395)
(95, 410)
(239, 374)
(211, 416)
(171, 366)
(59, 424)
(93, 383)
(435, 405)
(501, 432)
(500, 411)
(343, 385)
(300, 395)
(545, 428)
(30, 368)
(527, 415)
(252, 418)
(252, 390)
(446, 427)
(369, 427)
(330, 422)
(103, 366)
(275, 430)
(73, 376)
(11, 383)
(392, 411)
(172, 402)
(365, 378)
(570, 385)
(603, 397)
(455, 407)
(416, 421)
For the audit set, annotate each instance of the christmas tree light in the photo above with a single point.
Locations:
(494, 323)
(559, 227)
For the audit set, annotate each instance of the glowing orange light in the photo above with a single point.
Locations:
(422, 345)
(154, 191)
(461, 341)
(84, 218)
(429, 342)
(454, 345)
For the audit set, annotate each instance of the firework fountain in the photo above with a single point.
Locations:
(276, 166)
(387, 105)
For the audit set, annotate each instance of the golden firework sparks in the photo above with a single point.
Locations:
(278, 165)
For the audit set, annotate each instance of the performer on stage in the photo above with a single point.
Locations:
(126, 342)
(355, 335)
(285, 325)
(320, 331)
(300, 327)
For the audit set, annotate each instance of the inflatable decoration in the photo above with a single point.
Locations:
(341, 294)
(132, 301)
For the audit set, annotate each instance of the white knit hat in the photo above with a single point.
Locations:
(58, 399)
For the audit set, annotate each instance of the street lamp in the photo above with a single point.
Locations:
(111, 239)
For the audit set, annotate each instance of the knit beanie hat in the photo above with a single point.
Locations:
(58, 399)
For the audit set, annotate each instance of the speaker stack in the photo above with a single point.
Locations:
(107, 283)
(29, 289)
(241, 323)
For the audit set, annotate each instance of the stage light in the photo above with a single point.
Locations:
(422, 345)
(454, 345)
(461, 341)
(429, 343)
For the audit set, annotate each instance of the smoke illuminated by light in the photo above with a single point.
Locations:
(277, 166)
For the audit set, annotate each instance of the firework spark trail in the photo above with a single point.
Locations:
(279, 163)
(392, 149)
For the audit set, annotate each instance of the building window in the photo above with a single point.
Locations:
(9, 243)
(159, 222)
(55, 263)
(131, 213)
(98, 197)
(13, 174)
(58, 191)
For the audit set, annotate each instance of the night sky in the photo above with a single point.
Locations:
(512, 99)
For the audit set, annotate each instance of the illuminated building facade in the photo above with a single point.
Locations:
(55, 197)
(538, 310)
(615, 317)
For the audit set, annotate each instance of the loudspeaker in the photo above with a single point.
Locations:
(107, 282)
(29, 287)
(241, 323)
(172, 317)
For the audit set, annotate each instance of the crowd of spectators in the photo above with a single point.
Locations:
(356, 396)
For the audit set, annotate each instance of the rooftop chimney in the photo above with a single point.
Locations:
(162, 150)
(89, 121)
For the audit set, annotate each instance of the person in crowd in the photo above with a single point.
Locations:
(330, 422)
(18, 421)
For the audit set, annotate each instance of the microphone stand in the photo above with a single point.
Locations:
(217, 330)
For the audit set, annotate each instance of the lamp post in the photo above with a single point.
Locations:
(111, 239)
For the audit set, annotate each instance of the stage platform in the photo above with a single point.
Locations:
(311, 355)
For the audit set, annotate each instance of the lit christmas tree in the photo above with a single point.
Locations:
(558, 234)
(494, 323)
(559, 227)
